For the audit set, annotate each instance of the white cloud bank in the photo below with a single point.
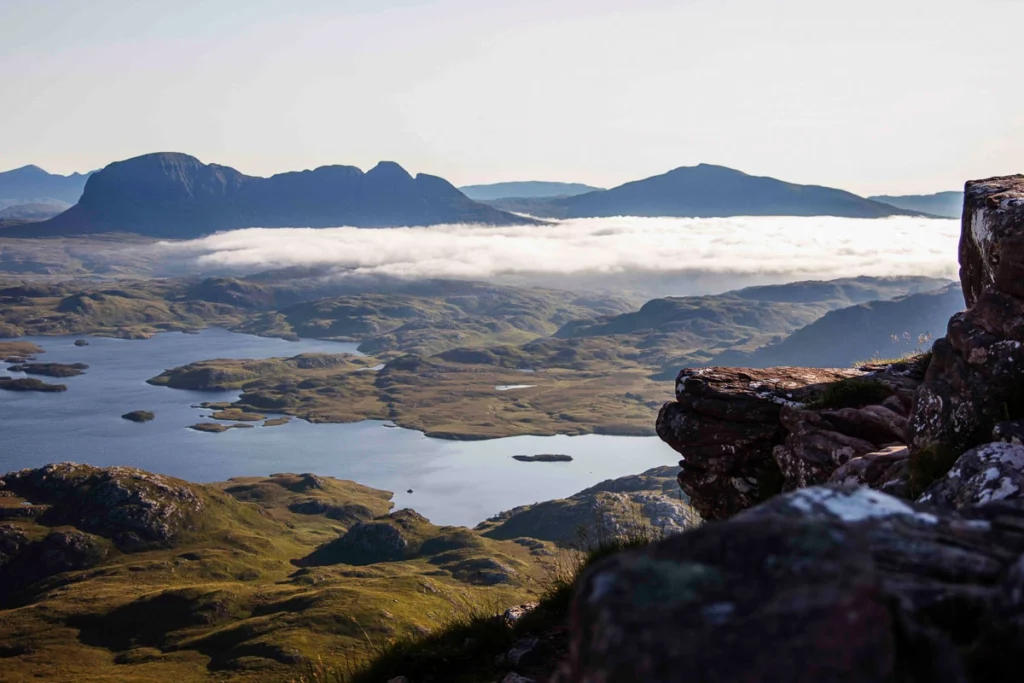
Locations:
(744, 248)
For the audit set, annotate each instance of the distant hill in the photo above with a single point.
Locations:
(765, 309)
(31, 183)
(876, 329)
(172, 195)
(528, 189)
(945, 204)
(707, 191)
(33, 211)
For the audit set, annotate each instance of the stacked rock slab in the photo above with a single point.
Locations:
(976, 377)
(747, 434)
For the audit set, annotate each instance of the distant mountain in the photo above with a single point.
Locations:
(173, 195)
(876, 329)
(32, 211)
(945, 204)
(706, 191)
(31, 183)
(528, 189)
(765, 309)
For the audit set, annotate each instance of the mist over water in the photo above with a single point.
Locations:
(695, 254)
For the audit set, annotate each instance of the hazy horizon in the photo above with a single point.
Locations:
(878, 98)
(460, 185)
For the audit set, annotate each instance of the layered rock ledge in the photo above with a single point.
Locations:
(747, 434)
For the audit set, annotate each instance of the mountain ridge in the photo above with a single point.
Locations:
(708, 191)
(30, 183)
(174, 195)
(525, 189)
(945, 204)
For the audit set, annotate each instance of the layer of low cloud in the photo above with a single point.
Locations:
(744, 250)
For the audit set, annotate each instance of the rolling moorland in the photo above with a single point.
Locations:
(464, 360)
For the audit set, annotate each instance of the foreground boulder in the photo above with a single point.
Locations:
(819, 584)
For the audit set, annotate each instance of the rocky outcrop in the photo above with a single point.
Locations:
(133, 508)
(389, 538)
(982, 475)
(976, 378)
(647, 504)
(818, 584)
(747, 434)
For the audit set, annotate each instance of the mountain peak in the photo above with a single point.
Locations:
(389, 169)
(30, 182)
(27, 170)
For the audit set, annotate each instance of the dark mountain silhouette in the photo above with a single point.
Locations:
(945, 204)
(31, 184)
(527, 189)
(707, 191)
(176, 195)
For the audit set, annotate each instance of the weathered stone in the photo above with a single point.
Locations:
(884, 470)
(976, 377)
(982, 475)
(12, 541)
(991, 246)
(819, 584)
(1010, 432)
(513, 614)
(747, 434)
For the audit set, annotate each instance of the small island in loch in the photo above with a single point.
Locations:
(139, 416)
(29, 384)
(50, 369)
(543, 457)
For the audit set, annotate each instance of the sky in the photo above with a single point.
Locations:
(901, 96)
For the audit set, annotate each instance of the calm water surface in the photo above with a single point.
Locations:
(453, 482)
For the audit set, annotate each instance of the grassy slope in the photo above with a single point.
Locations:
(226, 601)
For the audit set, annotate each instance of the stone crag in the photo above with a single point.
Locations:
(870, 521)
(976, 377)
(746, 434)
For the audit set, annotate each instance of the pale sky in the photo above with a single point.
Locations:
(898, 96)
